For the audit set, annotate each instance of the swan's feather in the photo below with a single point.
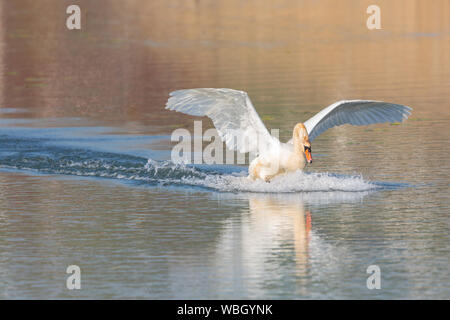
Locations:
(232, 113)
(355, 112)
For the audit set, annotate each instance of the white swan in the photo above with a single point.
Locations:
(241, 129)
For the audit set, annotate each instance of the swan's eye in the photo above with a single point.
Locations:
(308, 148)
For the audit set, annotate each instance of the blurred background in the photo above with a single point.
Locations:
(292, 57)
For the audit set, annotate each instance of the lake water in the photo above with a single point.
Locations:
(85, 171)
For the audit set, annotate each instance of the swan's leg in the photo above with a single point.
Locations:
(260, 169)
(259, 172)
(267, 173)
(269, 177)
(254, 169)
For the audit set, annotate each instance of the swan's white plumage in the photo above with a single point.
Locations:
(232, 113)
(355, 112)
(240, 127)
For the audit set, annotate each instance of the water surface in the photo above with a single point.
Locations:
(85, 171)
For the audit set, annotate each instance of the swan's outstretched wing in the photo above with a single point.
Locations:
(232, 113)
(356, 112)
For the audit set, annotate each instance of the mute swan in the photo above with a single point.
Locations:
(240, 127)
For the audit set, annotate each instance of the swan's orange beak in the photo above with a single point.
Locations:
(308, 155)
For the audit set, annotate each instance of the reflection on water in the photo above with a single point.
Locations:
(274, 245)
(286, 220)
(219, 245)
(275, 226)
(98, 97)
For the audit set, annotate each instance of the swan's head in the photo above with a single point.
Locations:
(301, 138)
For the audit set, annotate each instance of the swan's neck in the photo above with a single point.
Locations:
(298, 146)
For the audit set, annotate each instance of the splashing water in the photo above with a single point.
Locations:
(29, 154)
(292, 182)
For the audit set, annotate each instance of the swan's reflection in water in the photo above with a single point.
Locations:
(278, 222)
(275, 244)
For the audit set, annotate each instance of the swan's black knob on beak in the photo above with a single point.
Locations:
(308, 154)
